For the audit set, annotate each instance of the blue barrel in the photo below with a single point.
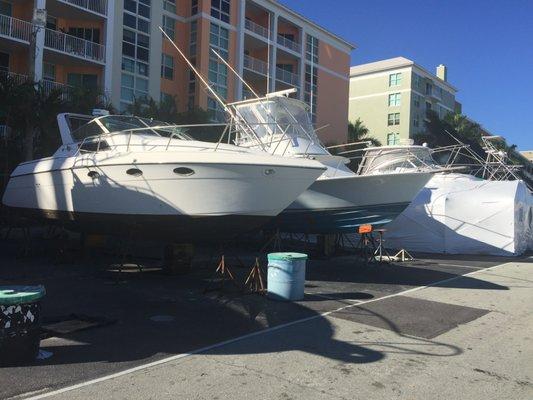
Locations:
(286, 276)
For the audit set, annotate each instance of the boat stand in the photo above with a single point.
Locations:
(366, 246)
(403, 255)
(381, 248)
(224, 274)
(254, 282)
(274, 241)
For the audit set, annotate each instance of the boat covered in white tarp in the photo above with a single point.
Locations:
(461, 214)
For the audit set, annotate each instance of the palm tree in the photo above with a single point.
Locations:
(358, 132)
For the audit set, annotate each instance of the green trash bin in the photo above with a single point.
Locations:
(20, 323)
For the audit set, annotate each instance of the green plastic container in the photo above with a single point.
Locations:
(20, 323)
(286, 276)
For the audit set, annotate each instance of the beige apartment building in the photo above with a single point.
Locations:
(116, 46)
(392, 96)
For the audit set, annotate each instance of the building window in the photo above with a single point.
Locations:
(395, 79)
(311, 49)
(311, 89)
(429, 89)
(167, 66)
(5, 8)
(416, 121)
(170, 6)
(395, 99)
(169, 26)
(393, 139)
(49, 72)
(166, 98)
(393, 119)
(89, 34)
(417, 81)
(193, 39)
(194, 7)
(218, 72)
(83, 80)
(428, 105)
(220, 10)
(4, 62)
(416, 100)
(135, 51)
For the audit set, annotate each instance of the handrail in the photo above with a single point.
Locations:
(73, 45)
(255, 65)
(256, 28)
(287, 76)
(97, 6)
(15, 28)
(290, 44)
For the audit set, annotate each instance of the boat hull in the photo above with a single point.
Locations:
(341, 205)
(202, 194)
(170, 228)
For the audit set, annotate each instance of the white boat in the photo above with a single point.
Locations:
(118, 174)
(340, 200)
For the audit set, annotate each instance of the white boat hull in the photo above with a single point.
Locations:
(96, 192)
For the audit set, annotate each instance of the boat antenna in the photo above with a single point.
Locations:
(191, 66)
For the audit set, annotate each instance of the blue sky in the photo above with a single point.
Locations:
(487, 46)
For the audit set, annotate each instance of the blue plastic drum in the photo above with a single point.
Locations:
(286, 276)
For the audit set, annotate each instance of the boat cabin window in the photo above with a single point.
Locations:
(111, 124)
(278, 115)
(395, 159)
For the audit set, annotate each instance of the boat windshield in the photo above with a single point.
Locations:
(277, 115)
(110, 124)
(396, 159)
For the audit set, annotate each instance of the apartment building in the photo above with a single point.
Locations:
(117, 46)
(392, 96)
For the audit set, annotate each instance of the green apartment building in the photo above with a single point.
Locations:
(391, 97)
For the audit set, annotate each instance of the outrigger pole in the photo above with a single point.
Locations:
(191, 66)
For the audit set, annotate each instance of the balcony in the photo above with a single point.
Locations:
(16, 29)
(74, 46)
(256, 65)
(21, 31)
(289, 44)
(96, 6)
(256, 28)
(287, 77)
(17, 78)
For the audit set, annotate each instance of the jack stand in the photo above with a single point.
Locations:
(403, 255)
(367, 247)
(381, 248)
(254, 282)
(275, 241)
(225, 275)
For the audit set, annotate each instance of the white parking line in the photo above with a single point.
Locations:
(237, 339)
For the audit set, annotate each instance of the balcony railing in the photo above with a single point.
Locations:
(18, 78)
(290, 44)
(4, 131)
(256, 28)
(73, 45)
(287, 77)
(97, 6)
(255, 65)
(65, 90)
(15, 28)
(22, 30)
